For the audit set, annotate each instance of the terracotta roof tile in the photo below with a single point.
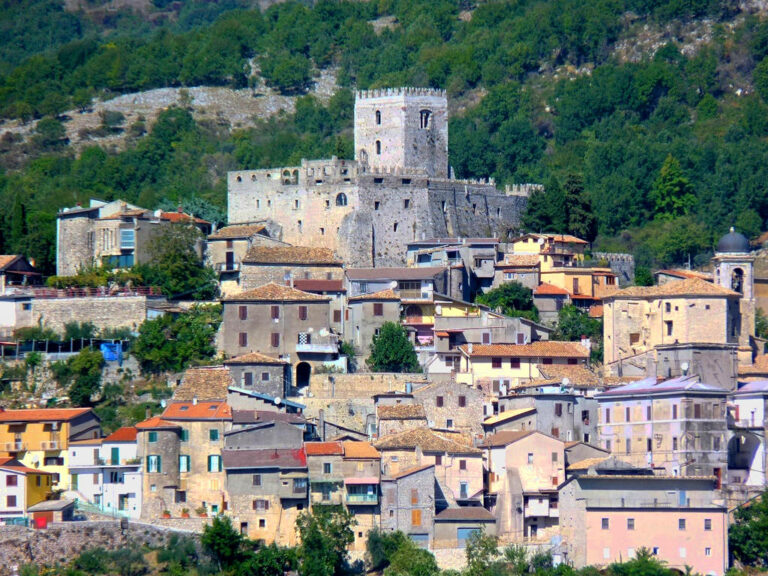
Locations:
(324, 448)
(206, 383)
(409, 471)
(7, 259)
(309, 285)
(360, 450)
(237, 231)
(15, 466)
(273, 292)
(686, 274)
(124, 434)
(759, 366)
(505, 437)
(578, 375)
(519, 261)
(689, 287)
(426, 439)
(154, 423)
(424, 273)
(199, 411)
(507, 415)
(546, 289)
(465, 514)
(181, 217)
(566, 238)
(284, 458)
(255, 358)
(42, 414)
(387, 294)
(291, 255)
(401, 412)
(587, 463)
(540, 349)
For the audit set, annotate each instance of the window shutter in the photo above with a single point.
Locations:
(275, 312)
(414, 496)
(243, 311)
(337, 316)
(302, 312)
(415, 517)
(275, 339)
(378, 309)
(248, 378)
(243, 339)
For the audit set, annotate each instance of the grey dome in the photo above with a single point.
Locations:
(733, 242)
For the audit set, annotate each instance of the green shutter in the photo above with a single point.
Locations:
(184, 435)
(159, 464)
(153, 436)
(147, 463)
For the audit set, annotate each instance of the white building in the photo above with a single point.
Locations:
(746, 444)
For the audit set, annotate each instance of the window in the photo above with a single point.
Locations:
(424, 118)
(496, 362)
(681, 524)
(275, 339)
(648, 413)
(152, 437)
(674, 443)
(530, 457)
(439, 401)
(184, 463)
(648, 445)
(573, 361)
(438, 460)
(154, 464)
(414, 497)
(378, 309)
(668, 324)
(248, 379)
(607, 415)
(605, 524)
(327, 467)
(462, 464)
(262, 522)
(337, 316)
(547, 361)
(415, 517)
(243, 339)
(707, 551)
(256, 480)
(514, 362)
(627, 415)
(213, 434)
(243, 312)
(214, 463)
(558, 409)
(554, 457)
(486, 337)
(378, 117)
(707, 524)
(378, 147)
(376, 205)
(127, 239)
(261, 504)
(674, 412)
(462, 401)
(265, 376)
(608, 445)
(10, 501)
(341, 199)
(667, 307)
(697, 410)
(184, 435)
(628, 445)
(630, 523)
(406, 203)
(275, 310)
(463, 490)
(11, 480)
(302, 312)
(449, 423)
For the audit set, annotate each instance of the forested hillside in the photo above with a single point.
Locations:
(668, 148)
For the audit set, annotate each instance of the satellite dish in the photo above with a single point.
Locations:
(566, 381)
(541, 240)
(393, 284)
(163, 403)
(323, 332)
(278, 401)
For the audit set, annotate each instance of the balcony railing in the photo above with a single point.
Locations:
(329, 345)
(14, 446)
(746, 423)
(362, 498)
(227, 267)
(409, 294)
(50, 445)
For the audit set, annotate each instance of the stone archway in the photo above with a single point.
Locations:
(303, 372)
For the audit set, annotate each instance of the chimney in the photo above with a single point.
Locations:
(194, 401)
(79, 204)
(180, 210)
(470, 347)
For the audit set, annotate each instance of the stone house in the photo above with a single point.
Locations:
(522, 268)
(23, 487)
(17, 271)
(111, 233)
(524, 470)
(607, 516)
(458, 466)
(553, 250)
(408, 503)
(747, 431)
(394, 418)
(40, 438)
(578, 452)
(411, 283)
(454, 526)
(333, 289)
(365, 314)
(226, 248)
(451, 406)
(678, 425)
(281, 322)
(280, 264)
(181, 450)
(361, 468)
(549, 300)
(515, 364)
(325, 472)
(262, 373)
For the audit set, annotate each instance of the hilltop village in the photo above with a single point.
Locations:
(366, 359)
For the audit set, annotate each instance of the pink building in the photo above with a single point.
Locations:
(606, 516)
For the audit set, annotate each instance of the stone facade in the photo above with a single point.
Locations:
(397, 190)
(452, 406)
(103, 312)
(408, 503)
(364, 316)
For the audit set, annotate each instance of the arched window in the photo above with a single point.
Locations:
(295, 177)
(424, 118)
(378, 147)
(737, 280)
(341, 199)
(286, 176)
(378, 117)
(363, 156)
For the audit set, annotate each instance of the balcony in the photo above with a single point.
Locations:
(410, 294)
(293, 488)
(224, 267)
(362, 499)
(746, 423)
(14, 446)
(50, 445)
(307, 345)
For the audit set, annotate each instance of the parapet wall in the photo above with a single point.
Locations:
(401, 91)
(103, 312)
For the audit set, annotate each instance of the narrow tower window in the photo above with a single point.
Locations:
(378, 147)
(424, 118)
(378, 117)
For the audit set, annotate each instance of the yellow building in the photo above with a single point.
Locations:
(39, 438)
(419, 315)
(515, 364)
(554, 250)
(22, 487)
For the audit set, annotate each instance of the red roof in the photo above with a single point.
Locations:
(323, 449)
(319, 285)
(124, 434)
(545, 289)
(198, 411)
(42, 414)
(155, 422)
(181, 217)
(15, 466)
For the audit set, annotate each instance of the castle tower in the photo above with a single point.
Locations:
(402, 129)
(734, 269)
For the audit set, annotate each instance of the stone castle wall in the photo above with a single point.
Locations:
(106, 312)
(72, 252)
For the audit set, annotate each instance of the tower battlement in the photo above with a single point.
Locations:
(401, 91)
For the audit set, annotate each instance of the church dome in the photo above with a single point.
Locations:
(733, 242)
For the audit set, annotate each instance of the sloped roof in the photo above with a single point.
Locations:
(508, 415)
(540, 349)
(587, 463)
(578, 375)
(401, 412)
(42, 414)
(424, 273)
(273, 292)
(426, 439)
(759, 366)
(565, 238)
(199, 411)
(7, 259)
(236, 231)
(291, 255)
(14, 465)
(324, 448)
(206, 383)
(673, 385)
(154, 423)
(519, 261)
(409, 471)
(546, 289)
(255, 358)
(465, 514)
(694, 287)
(505, 437)
(360, 450)
(680, 273)
(181, 217)
(310, 285)
(269, 458)
(387, 294)
(265, 416)
(124, 434)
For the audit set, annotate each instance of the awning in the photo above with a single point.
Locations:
(363, 480)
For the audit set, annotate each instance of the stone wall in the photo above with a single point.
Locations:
(72, 251)
(359, 385)
(104, 312)
(255, 275)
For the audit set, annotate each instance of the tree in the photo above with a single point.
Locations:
(643, 564)
(545, 211)
(381, 546)
(748, 535)
(410, 560)
(269, 561)
(391, 351)
(512, 298)
(672, 193)
(581, 221)
(573, 324)
(79, 330)
(516, 559)
(85, 368)
(325, 533)
(225, 545)
(482, 554)
(643, 276)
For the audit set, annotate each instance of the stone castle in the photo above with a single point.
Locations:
(398, 189)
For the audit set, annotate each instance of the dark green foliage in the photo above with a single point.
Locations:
(482, 554)
(85, 368)
(672, 193)
(643, 564)
(573, 324)
(179, 554)
(123, 562)
(748, 535)
(580, 220)
(391, 351)
(381, 546)
(410, 560)
(546, 209)
(512, 298)
(173, 344)
(226, 546)
(35, 333)
(325, 533)
(269, 561)
(78, 330)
